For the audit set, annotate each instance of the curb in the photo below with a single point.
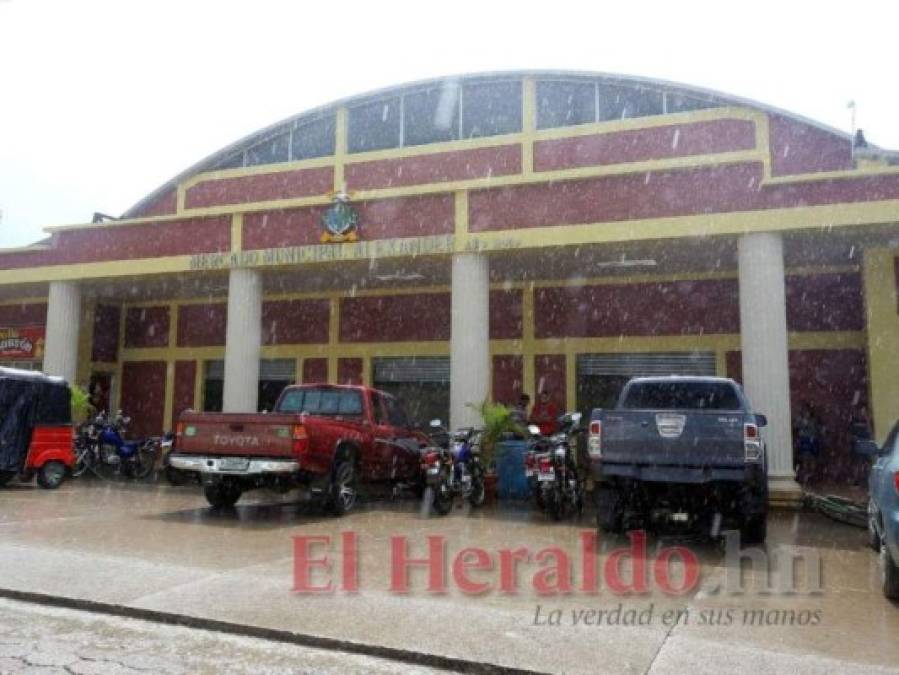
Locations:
(406, 656)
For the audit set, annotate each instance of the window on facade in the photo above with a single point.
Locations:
(491, 108)
(431, 115)
(680, 103)
(618, 103)
(213, 385)
(274, 150)
(374, 126)
(313, 138)
(562, 104)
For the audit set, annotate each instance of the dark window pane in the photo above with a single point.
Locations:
(680, 103)
(322, 401)
(314, 138)
(269, 152)
(491, 109)
(561, 104)
(618, 103)
(431, 116)
(374, 126)
(682, 396)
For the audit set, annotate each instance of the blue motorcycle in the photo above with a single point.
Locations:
(101, 448)
(453, 468)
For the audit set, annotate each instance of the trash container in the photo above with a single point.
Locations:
(510, 478)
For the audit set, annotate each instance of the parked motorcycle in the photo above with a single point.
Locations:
(100, 447)
(452, 468)
(551, 468)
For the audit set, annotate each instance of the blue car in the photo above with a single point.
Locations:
(883, 508)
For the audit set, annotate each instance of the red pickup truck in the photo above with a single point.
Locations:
(326, 437)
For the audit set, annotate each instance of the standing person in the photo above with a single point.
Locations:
(520, 410)
(807, 443)
(545, 414)
(860, 430)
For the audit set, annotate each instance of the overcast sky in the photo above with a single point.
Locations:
(101, 102)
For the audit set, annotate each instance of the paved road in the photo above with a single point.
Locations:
(160, 548)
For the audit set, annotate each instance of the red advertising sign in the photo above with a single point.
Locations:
(24, 344)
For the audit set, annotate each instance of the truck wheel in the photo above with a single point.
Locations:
(222, 495)
(343, 492)
(889, 572)
(608, 509)
(754, 529)
(51, 475)
(6, 476)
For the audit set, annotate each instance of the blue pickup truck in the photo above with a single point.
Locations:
(686, 450)
(883, 508)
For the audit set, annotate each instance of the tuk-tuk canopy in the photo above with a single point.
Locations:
(28, 399)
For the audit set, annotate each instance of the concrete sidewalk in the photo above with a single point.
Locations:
(162, 549)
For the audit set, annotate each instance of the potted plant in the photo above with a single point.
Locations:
(81, 405)
(499, 425)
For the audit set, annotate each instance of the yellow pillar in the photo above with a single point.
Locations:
(882, 317)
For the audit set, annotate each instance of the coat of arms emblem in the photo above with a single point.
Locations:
(340, 221)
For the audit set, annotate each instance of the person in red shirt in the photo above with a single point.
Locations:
(545, 414)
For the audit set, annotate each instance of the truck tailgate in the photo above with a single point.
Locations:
(673, 438)
(245, 435)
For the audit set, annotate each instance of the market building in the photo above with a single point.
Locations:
(484, 235)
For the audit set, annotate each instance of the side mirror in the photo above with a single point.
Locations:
(534, 429)
(435, 424)
(761, 420)
(866, 448)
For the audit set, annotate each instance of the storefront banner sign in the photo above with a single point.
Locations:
(26, 344)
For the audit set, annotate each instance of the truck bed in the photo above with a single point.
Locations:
(246, 435)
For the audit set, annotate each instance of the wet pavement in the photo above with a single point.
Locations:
(36, 640)
(161, 548)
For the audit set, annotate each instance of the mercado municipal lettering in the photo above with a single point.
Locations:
(359, 250)
(548, 231)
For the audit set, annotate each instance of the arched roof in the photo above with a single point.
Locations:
(652, 95)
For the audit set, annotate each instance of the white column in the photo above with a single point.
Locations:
(470, 338)
(763, 335)
(63, 324)
(243, 340)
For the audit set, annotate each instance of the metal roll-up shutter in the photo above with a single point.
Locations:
(281, 370)
(637, 365)
(412, 369)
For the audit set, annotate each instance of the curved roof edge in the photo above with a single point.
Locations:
(727, 99)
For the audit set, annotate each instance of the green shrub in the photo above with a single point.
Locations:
(81, 405)
(498, 423)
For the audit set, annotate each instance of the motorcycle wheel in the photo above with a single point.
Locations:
(553, 504)
(84, 459)
(478, 494)
(145, 461)
(443, 500)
